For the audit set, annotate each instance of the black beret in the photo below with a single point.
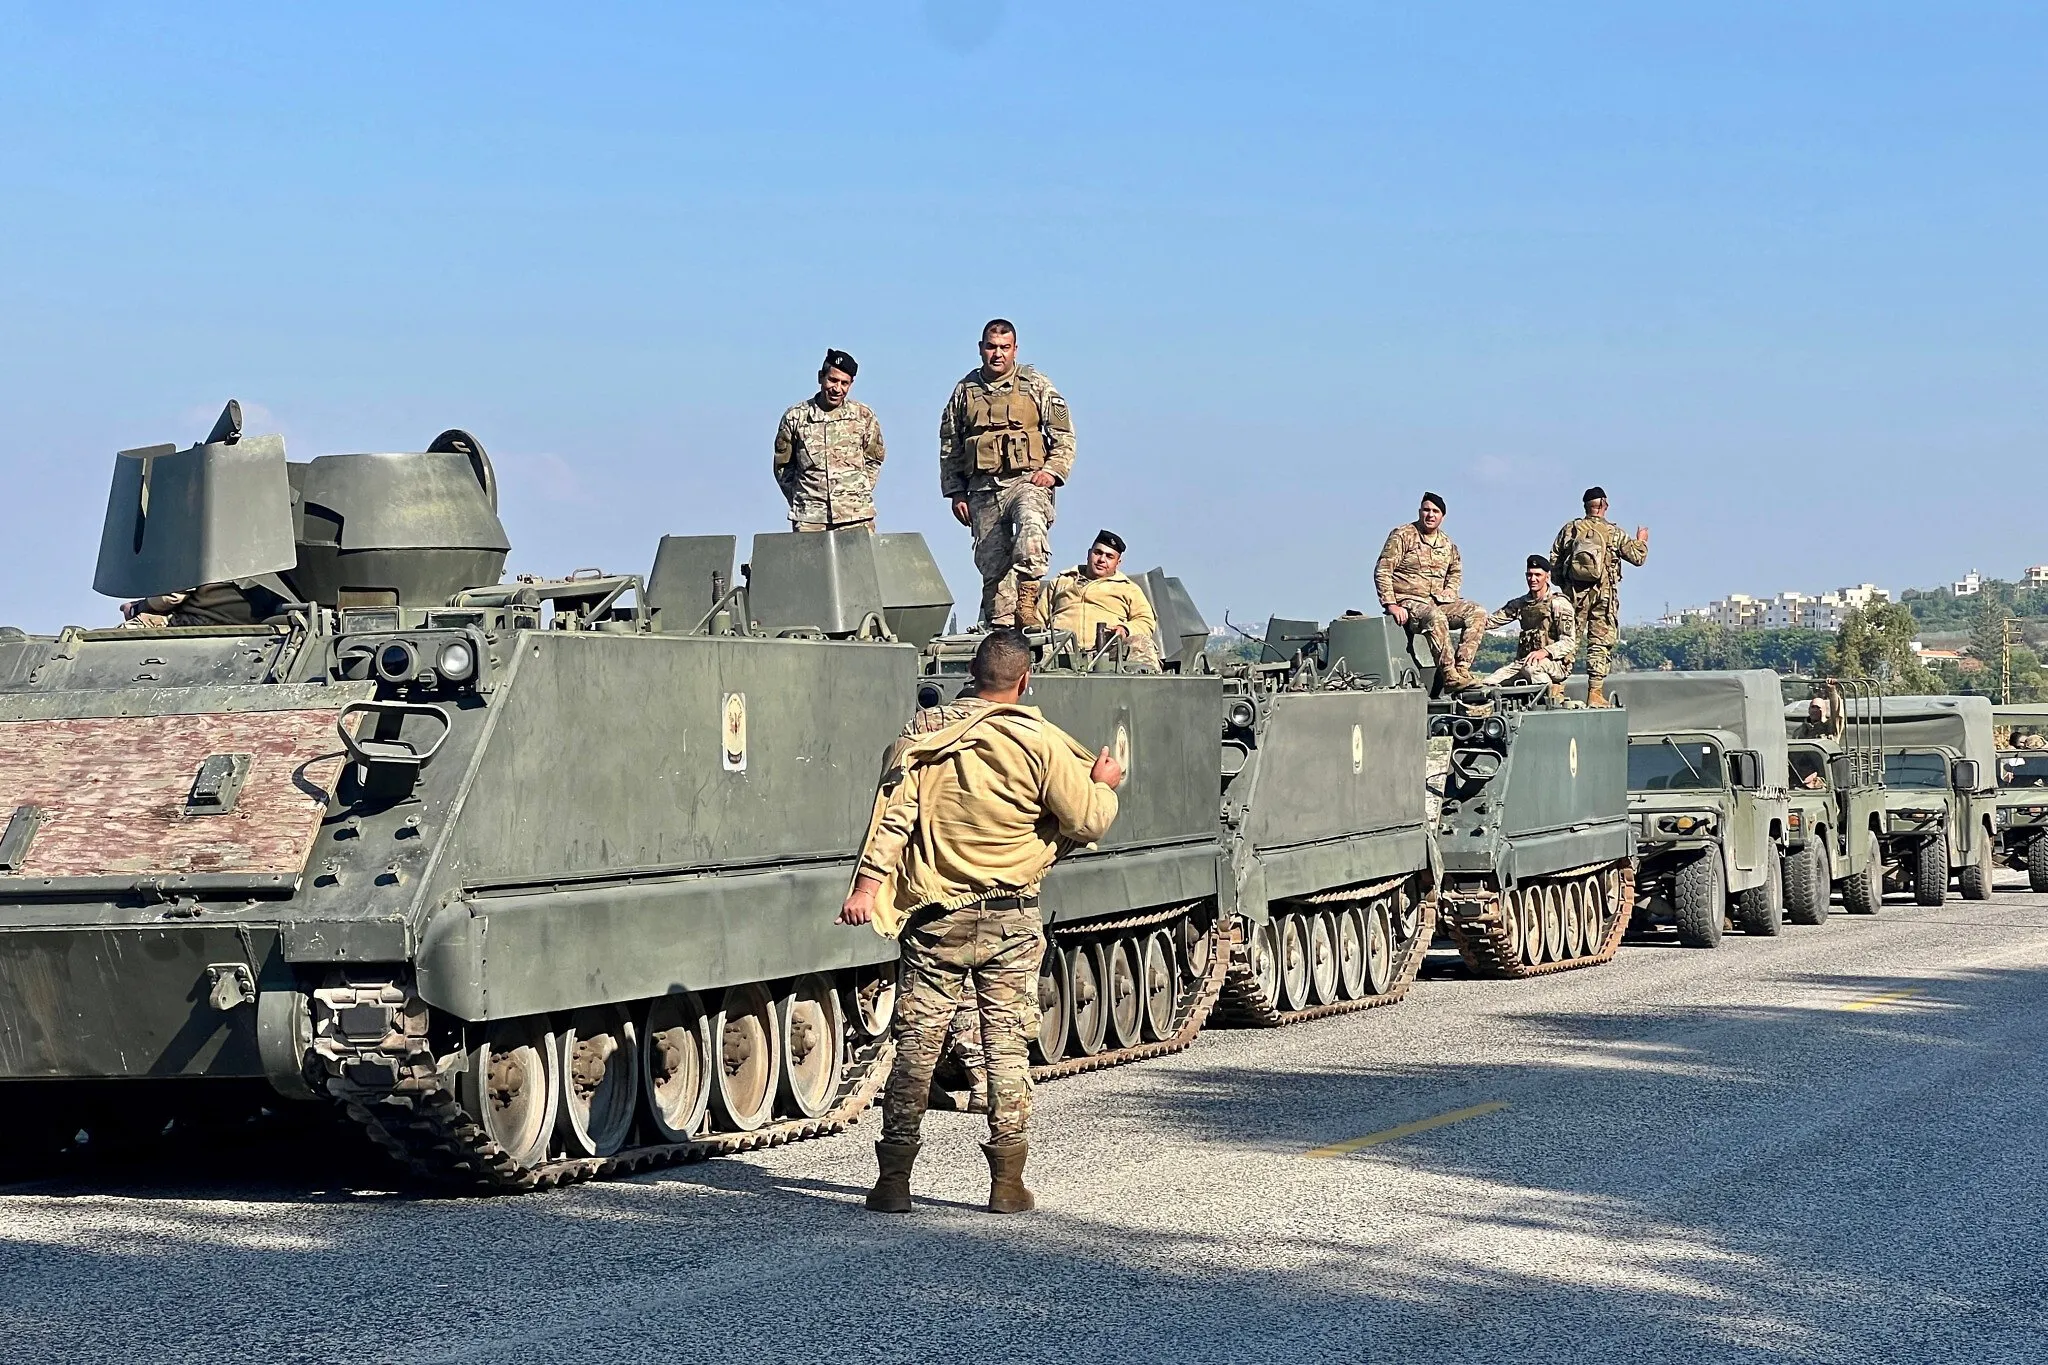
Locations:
(842, 362)
(1436, 498)
(1539, 562)
(1594, 494)
(1111, 539)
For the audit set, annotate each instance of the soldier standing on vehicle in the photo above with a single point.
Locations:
(1094, 597)
(1586, 561)
(1418, 579)
(1549, 632)
(968, 821)
(1006, 441)
(828, 454)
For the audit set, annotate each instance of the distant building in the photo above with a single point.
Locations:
(2036, 576)
(1785, 611)
(1970, 585)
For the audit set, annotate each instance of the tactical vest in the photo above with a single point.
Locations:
(1004, 431)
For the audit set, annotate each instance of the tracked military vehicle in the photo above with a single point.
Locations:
(1940, 794)
(1534, 840)
(1707, 768)
(1835, 798)
(533, 879)
(2023, 791)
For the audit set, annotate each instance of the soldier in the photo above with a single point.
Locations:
(1006, 441)
(1549, 632)
(968, 820)
(828, 454)
(1094, 597)
(242, 603)
(1585, 560)
(1418, 578)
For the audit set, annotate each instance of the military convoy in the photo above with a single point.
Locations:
(1836, 799)
(2022, 820)
(534, 880)
(1940, 799)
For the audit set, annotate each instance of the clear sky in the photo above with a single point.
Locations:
(1773, 273)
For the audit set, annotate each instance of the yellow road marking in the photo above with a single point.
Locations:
(1359, 1144)
(1871, 1002)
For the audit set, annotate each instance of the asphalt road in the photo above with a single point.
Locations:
(1825, 1147)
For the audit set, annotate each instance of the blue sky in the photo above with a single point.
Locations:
(1771, 273)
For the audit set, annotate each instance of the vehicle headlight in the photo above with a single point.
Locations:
(2005, 815)
(396, 662)
(1796, 820)
(1241, 714)
(456, 662)
(1685, 824)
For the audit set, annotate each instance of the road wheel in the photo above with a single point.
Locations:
(1761, 909)
(1351, 952)
(2037, 863)
(1322, 958)
(1162, 985)
(1863, 893)
(600, 1081)
(1379, 948)
(1976, 878)
(1807, 884)
(1126, 993)
(512, 1086)
(1930, 872)
(1293, 963)
(1055, 1008)
(1086, 970)
(1700, 894)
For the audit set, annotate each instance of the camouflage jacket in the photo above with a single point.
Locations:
(957, 456)
(1620, 546)
(1412, 565)
(827, 460)
(1548, 623)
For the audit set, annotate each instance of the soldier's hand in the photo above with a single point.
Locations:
(860, 902)
(1399, 613)
(1537, 656)
(1107, 771)
(1044, 479)
(960, 510)
(1643, 534)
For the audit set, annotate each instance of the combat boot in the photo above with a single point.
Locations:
(1596, 695)
(891, 1193)
(1029, 616)
(1006, 1192)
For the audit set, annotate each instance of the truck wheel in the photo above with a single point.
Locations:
(1863, 893)
(1808, 884)
(1700, 893)
(1976, 878)
(1930, 872)
(1761, 909)
(2037, 863)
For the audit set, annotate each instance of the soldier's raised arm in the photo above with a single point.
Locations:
(1084, 807)
(1636, 548)
(1383, 572)
(1057, 424)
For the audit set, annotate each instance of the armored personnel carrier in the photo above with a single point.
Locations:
(1835, 798)
(1940, 794)
(1707, 767)
(534, 880)
(1535, 844)
(2023, 791)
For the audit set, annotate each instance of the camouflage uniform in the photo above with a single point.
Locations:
(993, 435)
(1422, 575)
(826, 464)
(1080, 604)
(1598, 604)
(1548, 623)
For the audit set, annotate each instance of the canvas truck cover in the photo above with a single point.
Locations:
(1745, 703)
(1959, 723)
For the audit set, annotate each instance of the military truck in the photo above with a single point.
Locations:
(1707, 767)
(1530, 818)
(1836, 799)
(2023, 790)
(1941, 794)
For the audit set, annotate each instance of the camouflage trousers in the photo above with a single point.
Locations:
(1599, 613)
(1012, 523)
(865, 524)
(996, 954)
(1541, 671)
(1435, 620)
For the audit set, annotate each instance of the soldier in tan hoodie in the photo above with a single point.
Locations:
(968, 821)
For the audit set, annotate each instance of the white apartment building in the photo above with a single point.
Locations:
(1971, 584)
(2036, 576)
(1784, 611)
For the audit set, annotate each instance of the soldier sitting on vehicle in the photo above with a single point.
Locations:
(1549, 632)
(1094, 600)
(1418, 579)
(242, 603)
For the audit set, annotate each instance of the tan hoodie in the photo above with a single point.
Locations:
(983, 807)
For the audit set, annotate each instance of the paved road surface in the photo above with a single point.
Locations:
(1825, 1147)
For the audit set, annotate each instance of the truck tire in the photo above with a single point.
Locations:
(1930, 872)
(1863, 893)
(1808, 884)
(1761, 909)
(1976, 878)
(2037, 863)
(1699, 893)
